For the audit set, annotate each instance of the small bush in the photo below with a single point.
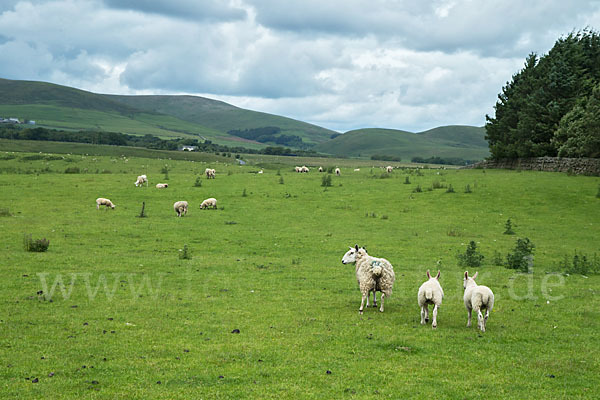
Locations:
(165, 170)
(185, 253)
(72, 170)
(407, 180)
(244, 194)
(35, 245)
(384, 217)
(326, 180)
(468, 189)
(281, 180)
(5, 212)
(417, 189)
(508, 228)
(521, 257)
(437, 185)
(471, 258)
(198, 182)
(580, 265)
(450, 189)
(497, 258)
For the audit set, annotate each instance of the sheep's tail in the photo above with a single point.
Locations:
(428, 294)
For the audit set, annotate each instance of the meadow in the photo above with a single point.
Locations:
(262, 306)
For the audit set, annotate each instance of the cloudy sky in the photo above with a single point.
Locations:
(341, 64)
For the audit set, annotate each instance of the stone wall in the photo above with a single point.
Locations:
(578, 166)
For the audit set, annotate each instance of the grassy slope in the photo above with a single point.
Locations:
(276, 276)
(443, 142)
(457, 135)
(222, 116)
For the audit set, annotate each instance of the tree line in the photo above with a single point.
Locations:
(551, 107)
(269, 134)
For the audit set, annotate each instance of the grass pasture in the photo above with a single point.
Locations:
(264, 308)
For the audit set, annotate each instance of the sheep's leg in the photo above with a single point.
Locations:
(480, 322)
(423, 308)
(469, 320)
(426, 312)
(368, 294)
(435, 311)
(382, 299)
(362, 303)
(374, 298)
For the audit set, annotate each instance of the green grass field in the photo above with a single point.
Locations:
(132, 319)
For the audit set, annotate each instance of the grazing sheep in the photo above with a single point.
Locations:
(373, 274)
(141, 180)
(180, 208)
(389, 169)
(162, 185)
(356, 169)
(209, 203)
(320, 169)
(101, 201)
(210, 173)
(304, 169)
(477, 297)
(260, 172)
(430, 292)
(338, 172)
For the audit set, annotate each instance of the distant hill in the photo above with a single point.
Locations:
(464, 142)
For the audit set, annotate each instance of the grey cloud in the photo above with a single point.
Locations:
(187, 9)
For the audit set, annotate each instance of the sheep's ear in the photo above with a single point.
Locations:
(356, 247)
(475, 276)
(466, 274)
(438, 274)
(428, 275)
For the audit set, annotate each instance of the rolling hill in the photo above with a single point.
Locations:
(465, 142)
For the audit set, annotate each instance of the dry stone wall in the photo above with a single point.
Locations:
(578, 166)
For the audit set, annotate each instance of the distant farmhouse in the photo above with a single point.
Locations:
(15, 121)
(188, 148)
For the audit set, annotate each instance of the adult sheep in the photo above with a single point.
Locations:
(320, 169)
(210, 173)
(338, 172)
(162, 185)
(389, 169)
(477, 297)
(430, 292)
(141, 180)
(101, 201)
(373, 274)
(209, 203)
(304, 169)
(181, 208)
(297, 169)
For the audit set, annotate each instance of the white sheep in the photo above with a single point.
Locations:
(320, 169)
(101, 201)
(373, 274)
(298, 169)
(389, 169)
(210, 173)
(162, 185)
(338, 172)
(209, 203)
(141, 180)
(430, 292)
(180, 208)
(356, 169)
(260, 172)
(304, 169)
(477, 297)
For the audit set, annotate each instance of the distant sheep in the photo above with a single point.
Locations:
(209, 203)
(373, 274)
(101, 201)
(260, 172)
(430, 292)
(210, 173)
(141, 180)
(304, 169)
(389, 169)
(162, 185)
(356, 169)
(477, 297)
(320, 169)
(338, 172)
(181, 208)
(298, 169)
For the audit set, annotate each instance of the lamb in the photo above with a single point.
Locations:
(430, 292)
(338, 172)
(181, 208)
(389, 169)
(101, 201)
(162, 185)
(477, 297)
(373, 274)
(141, 180)
(210, 173)
(209, 203)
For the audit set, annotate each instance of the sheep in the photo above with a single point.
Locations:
(210, 173)
(162, 185)
(304, 169)
(101, 201)
(477, 297)
(430, 292)
(338, 172)
(373, 274)
(298, 169)
(320, 169)
(260, 172)
(356, 169)
(141, 180)
(209, 203)
(180, 208)
(389, 169)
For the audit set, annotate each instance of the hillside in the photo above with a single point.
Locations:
(451, 141)
(221, 116)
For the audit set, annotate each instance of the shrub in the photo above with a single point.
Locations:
(35, 245)
(198, 182)
(580, 265)
(497, 258)
(450, 189)
(244, 194)
(5, 212)
(407, 180)
(165, 170)
(471, 258)
(508, 228)
(521, 257)
(417, 189)
(185, 253)
(326, 180)
(437, 185)
(72, 170)
(281, 180)
(468, 189)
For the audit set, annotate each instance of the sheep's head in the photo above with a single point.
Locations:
(469, 280)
